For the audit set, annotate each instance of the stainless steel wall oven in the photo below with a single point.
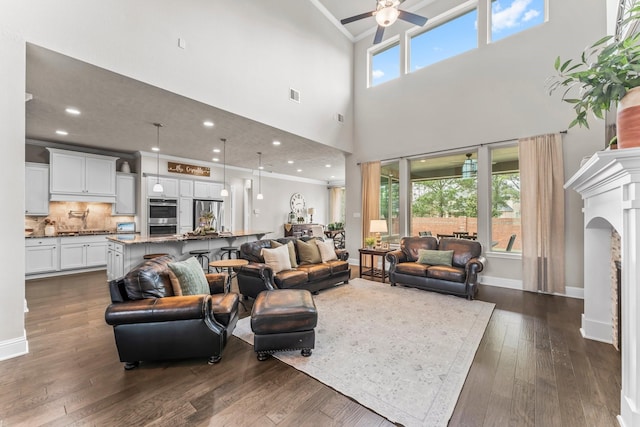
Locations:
(163, 216)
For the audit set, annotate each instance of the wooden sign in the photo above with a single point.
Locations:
(189, 169)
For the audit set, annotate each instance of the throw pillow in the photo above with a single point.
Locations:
(309, 252)
(435, 257)
(190, 276)
(175, 283)
(292, 251)
(327, 250)
(277, 258)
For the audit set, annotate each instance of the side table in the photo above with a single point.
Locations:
(228, 264)
(373, 271)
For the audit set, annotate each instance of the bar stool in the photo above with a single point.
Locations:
(203, 258)
(228, 250)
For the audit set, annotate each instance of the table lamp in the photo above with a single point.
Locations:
(311, 211)
(378, 226)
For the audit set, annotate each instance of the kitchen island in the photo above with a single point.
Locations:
(125, 251)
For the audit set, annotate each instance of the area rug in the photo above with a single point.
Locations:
(401, 352)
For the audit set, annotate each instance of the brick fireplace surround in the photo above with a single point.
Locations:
(609, 184)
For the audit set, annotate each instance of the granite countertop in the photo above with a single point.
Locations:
(133, 239)
(75, 233)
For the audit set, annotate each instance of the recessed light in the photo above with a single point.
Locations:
(261, 167)
(155, 149)
(333, 176)
(208, 123)
(299, 170)
(327, 166)
(73, 111)
(216, 150)
(215, 159)
(290, 162)
(276, 142)
(62, 132)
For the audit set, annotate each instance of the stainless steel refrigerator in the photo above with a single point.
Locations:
(215, 207)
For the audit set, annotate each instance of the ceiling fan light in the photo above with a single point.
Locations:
(387, 16)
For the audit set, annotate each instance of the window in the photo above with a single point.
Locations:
(444, 196)
(385, 65)
(512, 16)
(506, 234)
(444, 41)
(390, 200)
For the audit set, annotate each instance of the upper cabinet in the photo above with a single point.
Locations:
(36, 189)
(169, 187)
(206, 190)
(125, 194)
(75, 176)
(186, 188)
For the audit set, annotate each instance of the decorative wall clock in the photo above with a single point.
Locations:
(297, 203)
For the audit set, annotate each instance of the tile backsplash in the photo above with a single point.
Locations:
(71, 216)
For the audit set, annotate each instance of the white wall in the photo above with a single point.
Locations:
(496, 92)
(12, 82)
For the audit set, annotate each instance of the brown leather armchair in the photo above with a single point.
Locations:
(151, 323)
(458, 279)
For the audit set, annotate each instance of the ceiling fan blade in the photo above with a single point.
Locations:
(379, 32)
(412, 17)
(357, 17)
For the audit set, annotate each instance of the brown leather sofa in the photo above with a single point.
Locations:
(151, 323)
(258, 276)
(458, 279)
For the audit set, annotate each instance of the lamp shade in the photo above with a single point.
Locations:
(311, 211)
(378, 226)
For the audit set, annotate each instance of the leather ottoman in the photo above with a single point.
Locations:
(283, 319)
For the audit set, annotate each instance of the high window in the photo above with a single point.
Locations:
(506, 232)
(385, 64)
(444, 196)
(444, 41)
(512, 16)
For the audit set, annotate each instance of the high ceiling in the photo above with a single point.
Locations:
(118, 112)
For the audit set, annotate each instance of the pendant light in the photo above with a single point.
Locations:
(469, 167)
(157, 187)
(259, 196)
(224, 192)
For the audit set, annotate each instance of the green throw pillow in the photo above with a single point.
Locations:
(190, 276)
(309, 252)
(434, 257)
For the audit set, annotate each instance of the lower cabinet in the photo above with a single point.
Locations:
(82, 252)
(115, 261)
(41, 255)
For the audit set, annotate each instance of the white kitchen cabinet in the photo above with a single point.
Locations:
(185, 214)
(206, 190)
(115, 260)
(41, 255)
(83, 252)
(186, 188)
(125, 194)
(36, 189)
(169, 187)
(75, 176)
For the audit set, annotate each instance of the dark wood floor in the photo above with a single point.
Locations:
(532, 369)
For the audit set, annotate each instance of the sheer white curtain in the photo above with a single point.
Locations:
(335, 204)
(542, 208)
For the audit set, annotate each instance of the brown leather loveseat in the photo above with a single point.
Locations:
(257, 276)
(458, 278)
(151, 323)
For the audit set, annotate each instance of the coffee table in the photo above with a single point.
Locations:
(229, 264)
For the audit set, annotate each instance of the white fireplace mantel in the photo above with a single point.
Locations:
(609, 183)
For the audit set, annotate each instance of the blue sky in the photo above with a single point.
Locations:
(459, 35)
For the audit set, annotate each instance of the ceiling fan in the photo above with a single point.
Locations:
(386, 14)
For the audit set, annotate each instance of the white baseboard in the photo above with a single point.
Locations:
(573, 292)
(14, 347)
(597, 331)
(500, 282)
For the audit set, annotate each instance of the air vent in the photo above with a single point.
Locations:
(294, 95)
(340, 118)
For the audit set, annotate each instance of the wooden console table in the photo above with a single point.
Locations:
(373, 271)
(293, 229)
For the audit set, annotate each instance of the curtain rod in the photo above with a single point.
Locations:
(449, 149)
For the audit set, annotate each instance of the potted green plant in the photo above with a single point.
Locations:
(607, 73)
(369, 241)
